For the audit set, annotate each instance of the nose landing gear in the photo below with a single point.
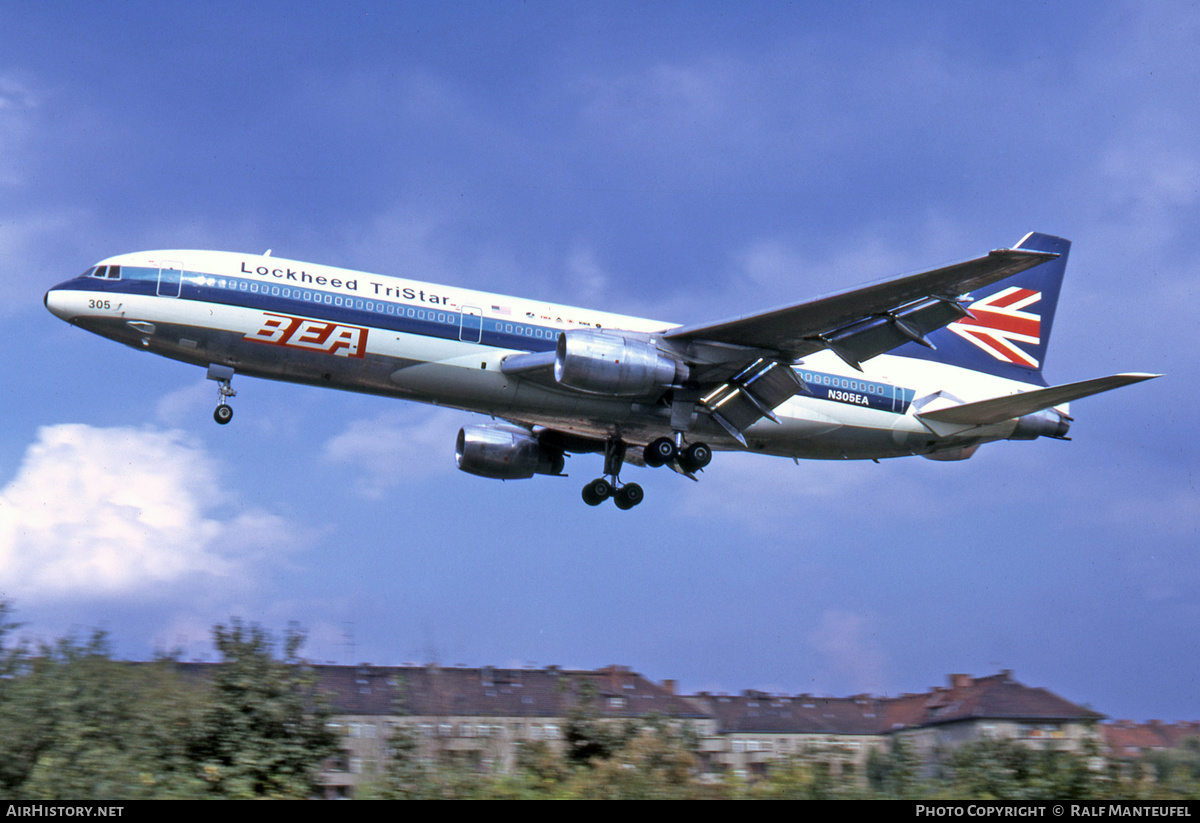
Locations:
(223, 413)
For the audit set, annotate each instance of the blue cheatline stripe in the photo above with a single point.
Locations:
(856, 391)
(427, 321)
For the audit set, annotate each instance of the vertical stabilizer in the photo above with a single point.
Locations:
(1008, 332)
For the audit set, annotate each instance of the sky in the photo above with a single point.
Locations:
(680, 161)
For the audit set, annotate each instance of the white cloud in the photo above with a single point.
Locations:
(122, 512)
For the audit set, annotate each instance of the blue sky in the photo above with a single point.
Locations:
(678, 161)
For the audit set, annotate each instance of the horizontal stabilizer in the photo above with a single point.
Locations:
(999, 409)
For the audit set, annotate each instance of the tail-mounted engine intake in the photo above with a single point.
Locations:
(504, 453)
(605, 363)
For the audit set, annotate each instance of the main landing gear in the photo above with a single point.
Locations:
(600, 489)
(663, 451)
(223, 413)
(691, 458)
(626, 495)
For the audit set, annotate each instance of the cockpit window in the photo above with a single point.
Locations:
(107, 272)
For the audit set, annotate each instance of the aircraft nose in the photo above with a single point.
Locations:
(57, 304)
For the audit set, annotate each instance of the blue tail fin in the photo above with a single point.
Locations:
(1009, 330)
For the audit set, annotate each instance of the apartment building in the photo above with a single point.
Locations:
(481, 717)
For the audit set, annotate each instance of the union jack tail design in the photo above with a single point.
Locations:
(1008, 331)
(998, 323)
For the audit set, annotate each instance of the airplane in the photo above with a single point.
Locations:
(932, 364)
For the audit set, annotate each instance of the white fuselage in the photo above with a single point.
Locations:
(285, 320)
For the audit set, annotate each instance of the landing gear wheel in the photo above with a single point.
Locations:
(659, 453)
(597, 491)
(628, 496)
(223, 413)
(695, 457)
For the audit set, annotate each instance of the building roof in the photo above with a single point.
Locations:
(1125, 738)
(758, 712)
(618, 692)
(435, 691)
(997, 697)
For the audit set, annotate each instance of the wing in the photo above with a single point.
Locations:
(737, 371)
(861, 323)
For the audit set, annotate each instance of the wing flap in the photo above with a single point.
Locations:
(999, 409)
(867, 338)
(752, 395)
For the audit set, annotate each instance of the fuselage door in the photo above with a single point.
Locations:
(471, 328)
(170, 277)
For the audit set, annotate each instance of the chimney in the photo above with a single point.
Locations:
(669, 686)
(961, 681)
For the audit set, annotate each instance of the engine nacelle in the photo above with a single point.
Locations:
(504, 453)
(1046, 423)
(608, 363)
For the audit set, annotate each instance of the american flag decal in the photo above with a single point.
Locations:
(999, 323)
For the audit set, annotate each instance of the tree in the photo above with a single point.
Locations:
(893, 774)
(22, 731)
(655, 762)
(1008, 770)
(78, 724)
(1176, 771)
(403, 776)
(263, 732)
(589, 736)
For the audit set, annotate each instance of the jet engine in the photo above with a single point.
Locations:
(504, 453)
(603, 363)
(1048, 423)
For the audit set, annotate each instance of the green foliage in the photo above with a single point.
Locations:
(263, 732)
(1176, 771)
(894, 774)
(403, 776)
(76, 724)
(655, 761)
(1008, 770)
(647, 758)
(588, 736)
(542, 769)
